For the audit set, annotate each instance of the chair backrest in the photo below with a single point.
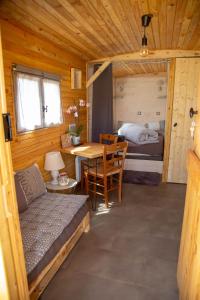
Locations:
(105, 138)
(115, 155)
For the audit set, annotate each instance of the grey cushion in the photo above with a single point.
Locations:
(31, 182)
(21, 199)
(44, 221)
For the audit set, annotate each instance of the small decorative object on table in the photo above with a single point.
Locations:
(63, 179)
(66, 140)
(69, 188)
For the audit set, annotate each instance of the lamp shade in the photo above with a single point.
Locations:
(53, 161)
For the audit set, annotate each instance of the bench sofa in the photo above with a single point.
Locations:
(51, 224)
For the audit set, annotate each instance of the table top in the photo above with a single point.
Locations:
(56, 187)
(87, 150)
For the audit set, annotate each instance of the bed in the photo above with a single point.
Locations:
(144, 162)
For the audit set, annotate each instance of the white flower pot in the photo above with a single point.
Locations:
(76, 140)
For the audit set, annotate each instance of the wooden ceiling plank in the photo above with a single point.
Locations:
(127, 68)
(97, 73)
(82, 22)
(154, 10)
(180, 11)
(132, 11)
(194, 29)
(40, 14)
(108, 5)
(194, 42)
(102, 27)
(48, 11)
(104, 15)
(123, 13)
(21, 19)
(171, 13)
(163, 24)
(186, 21)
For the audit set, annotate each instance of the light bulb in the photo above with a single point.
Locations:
(144, 51)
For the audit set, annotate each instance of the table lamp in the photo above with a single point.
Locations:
(53, 163)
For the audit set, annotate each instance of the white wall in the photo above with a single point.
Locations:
(133, 95)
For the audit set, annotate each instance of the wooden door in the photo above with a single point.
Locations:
(13, 280)
(188, 274)
(187, 73)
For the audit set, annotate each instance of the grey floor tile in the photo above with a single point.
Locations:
(131, 251)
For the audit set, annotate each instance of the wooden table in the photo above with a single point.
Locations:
(87, 150)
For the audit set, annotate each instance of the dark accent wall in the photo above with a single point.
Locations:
(102, 107)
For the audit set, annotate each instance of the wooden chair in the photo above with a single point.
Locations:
(107, 175)
(105, 138)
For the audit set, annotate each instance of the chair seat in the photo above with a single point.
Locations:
(99, 171)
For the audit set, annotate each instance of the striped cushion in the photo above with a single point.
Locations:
(31, 182)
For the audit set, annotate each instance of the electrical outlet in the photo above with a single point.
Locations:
(158, 113)
(139, 113)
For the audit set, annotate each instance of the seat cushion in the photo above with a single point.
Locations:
(99, 171)
(43, 223)
(31, 182)
(21, 199)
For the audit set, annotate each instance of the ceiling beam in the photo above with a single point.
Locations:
(157, 54)
(97, 73)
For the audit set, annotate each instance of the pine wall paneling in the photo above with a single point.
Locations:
(22, 47)
(187, 74)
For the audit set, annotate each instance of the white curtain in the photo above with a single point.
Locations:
(29, 113)
(53, 113)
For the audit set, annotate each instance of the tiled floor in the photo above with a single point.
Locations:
(131, 251)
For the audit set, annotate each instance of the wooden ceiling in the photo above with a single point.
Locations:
(100, 28)
(122, 68)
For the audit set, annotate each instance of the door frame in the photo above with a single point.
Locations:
(169, 113)
(13, 277)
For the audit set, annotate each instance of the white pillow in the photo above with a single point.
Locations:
(124, 129)
(153, 125)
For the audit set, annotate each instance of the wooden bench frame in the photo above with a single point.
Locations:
(40, 283)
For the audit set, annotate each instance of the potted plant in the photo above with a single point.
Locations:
(75, 134)
(75, 110)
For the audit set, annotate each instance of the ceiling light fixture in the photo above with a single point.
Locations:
(146, 19)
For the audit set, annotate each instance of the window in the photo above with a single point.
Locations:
(37, 99)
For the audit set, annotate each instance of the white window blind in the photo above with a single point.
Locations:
(38, 102)
(53, 112)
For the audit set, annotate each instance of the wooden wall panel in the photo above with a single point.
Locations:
(185, 96)
(168, 126)
(197, 125)
(21, 47)
(188, 273)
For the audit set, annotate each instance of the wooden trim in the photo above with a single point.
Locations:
(97, 73)
(39, 284)
(11, 249)
(170, 98)
(141, 75)
(156, 54)
(87, 101)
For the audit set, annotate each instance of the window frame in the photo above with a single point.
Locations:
(19, 69)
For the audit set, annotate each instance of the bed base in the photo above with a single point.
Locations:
(143, 165)
(40, 283)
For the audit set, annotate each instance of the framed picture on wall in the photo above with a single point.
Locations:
(76, 78)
